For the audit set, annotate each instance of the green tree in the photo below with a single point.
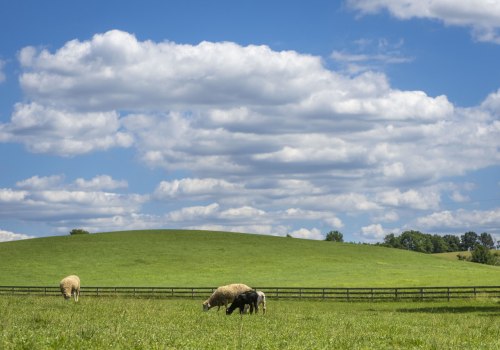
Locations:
(486, 240)
(334, 236)
(391, 240)
(416, 241)
(78, 231)
(469, 240)
(453, 242)
(439, 244)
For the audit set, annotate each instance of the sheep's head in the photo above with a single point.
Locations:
(206, 306)
(229, 311)
(66, 294)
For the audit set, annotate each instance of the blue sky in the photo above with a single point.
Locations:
(270, 117)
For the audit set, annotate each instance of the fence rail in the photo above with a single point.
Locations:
(334, 294)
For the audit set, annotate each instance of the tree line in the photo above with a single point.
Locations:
(427, 243)
(479, 245)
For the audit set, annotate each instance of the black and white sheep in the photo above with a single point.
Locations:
(224, 295)
(247, 298)
(260, 301)
(70, 285)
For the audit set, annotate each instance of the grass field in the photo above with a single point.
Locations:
(200, 258)
(109, 323)
(453, 255)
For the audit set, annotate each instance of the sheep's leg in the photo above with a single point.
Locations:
(256, 307)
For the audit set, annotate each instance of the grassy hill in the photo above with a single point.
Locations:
(453, 255)
(202, 258)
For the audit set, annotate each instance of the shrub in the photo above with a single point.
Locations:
(482, 255)
(462, 257)
(334, 236)
(78, 231)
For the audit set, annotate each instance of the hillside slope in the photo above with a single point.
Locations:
(202, 258)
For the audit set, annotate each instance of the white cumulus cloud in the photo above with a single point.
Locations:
(374, 232)
(255, 131)
(6, 236)
(313, 233)
(100, 182)
(44, 129)
(482, 16)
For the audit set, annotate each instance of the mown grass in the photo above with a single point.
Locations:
(201, 258)
(115, 323)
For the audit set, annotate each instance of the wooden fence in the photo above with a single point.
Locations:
(333, 294)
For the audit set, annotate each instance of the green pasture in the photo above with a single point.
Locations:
(115, 323)
(207, 259)
(453, 255)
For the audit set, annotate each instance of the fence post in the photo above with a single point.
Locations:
(448, 293)
(396, 293)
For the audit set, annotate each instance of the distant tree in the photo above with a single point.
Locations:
(407, 240)
(427, 245)
(486, 240)
(482, 255)
(453, 242)
(439, 244)
(468, 240)
(416, 241)
(391, 240)
(78, 231)
(334, 236)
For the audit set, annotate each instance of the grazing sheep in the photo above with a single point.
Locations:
(261, 300)
(247, 298)
(224, 295)
(70, 286)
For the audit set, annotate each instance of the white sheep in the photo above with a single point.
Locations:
(70, 285)
(261, 300)
(224, 295)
